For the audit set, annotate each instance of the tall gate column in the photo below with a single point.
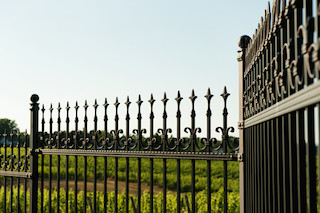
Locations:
(243, 43)
(34, 145)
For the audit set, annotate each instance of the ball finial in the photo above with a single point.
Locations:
(34, 98)
(244, 41)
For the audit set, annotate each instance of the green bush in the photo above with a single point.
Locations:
(201, 201)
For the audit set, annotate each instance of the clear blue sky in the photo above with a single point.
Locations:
(76, 50)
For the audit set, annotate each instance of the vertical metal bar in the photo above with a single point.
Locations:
(50, 158)
(262, 169)
(67, 140)
(318, 130)
(269, 177)
(193, 139)
(151, 101)
(285, 163)
(76, 121)
(58, 158)
(252, 152)
(225, 95)
(139, 140)
(179, 99)
(254, 169)
(95, 120)
(11, 169)
(42, 159)
(273, 167)
(257, 164)
(208, 96)
(116, 159)
(265, 166)
(33, 155)
(279, 163)
(127, 146)
(301, 164)
(105, 162)
(25, 165)
(293, 162)
(311, 157)
(5, 169)
(164, 146)
(85, 137)
(19, 169)
(301, 155)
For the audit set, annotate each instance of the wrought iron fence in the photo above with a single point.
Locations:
(279, 110)
(47, 158)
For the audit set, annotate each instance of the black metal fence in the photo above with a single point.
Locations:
(279, 109)
(51, 159)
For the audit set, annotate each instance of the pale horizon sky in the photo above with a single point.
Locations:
(82, 50)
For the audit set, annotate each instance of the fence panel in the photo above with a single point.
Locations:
(75, 166)
(279, 104)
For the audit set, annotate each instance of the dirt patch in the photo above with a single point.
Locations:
(133, 186)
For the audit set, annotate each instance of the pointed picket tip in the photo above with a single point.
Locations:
(139, 101)
(208, 96)
(51, 108)
(59, 107)
(117, 102)
(77, 105)
(193, 96)
(225, 93)
(151, 101)
(105, 103)
(178, 98)
(85, 105)
(165, 99)
(67, 107)
(128, 101)
(43, 109)
(95, 105)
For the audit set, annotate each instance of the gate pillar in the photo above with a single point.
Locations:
(243, 43)
(34, 145)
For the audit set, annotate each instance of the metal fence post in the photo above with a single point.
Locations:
(34, 144)
(243, 43)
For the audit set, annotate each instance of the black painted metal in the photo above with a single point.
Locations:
(281, 66)
(64, 144)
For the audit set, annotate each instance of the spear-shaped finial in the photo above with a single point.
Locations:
(127, 102)
(105, 103)
(43, 109)
(67, 107)
(178, 98)
(51, 108)
(59, 107)
(95, 105)
(208, 96)
(193, 96)
(76, 106)
(225, 94)
(165, 99)
(117, 102)
(85, 105)
(139, 102)
(151, 101)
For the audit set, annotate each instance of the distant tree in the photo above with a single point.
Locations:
(8, 125)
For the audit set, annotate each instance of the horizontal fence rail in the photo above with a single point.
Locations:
(69, 169)
(280, 104)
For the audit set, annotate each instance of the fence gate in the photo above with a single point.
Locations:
(279, 110)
